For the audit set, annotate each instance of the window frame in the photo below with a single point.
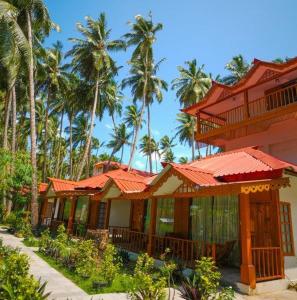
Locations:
(289, 222)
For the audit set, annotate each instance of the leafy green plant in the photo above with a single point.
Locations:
(204, 283)
(110, 264)
(15, 281)
(19, 223)
(124, 256)
(148, 284)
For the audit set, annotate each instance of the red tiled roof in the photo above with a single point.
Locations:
(94, 182)
(42, 187)
(241, 161)
(63, 184)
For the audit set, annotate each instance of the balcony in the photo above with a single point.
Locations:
(271, 107)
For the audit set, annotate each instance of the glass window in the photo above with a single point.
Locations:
(101, 215)
(147, 219)
(286, 229)
(165, 216)
(66, 211)
(82, 207)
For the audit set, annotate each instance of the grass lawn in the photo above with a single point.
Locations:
(121, 283)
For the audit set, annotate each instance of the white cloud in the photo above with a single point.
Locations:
(155, 132)
(108, 126)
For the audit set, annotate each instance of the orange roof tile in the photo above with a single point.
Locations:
(63, 184)
(42, 187)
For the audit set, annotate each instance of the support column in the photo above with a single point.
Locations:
(246, 104)
(247, 269)
(57, 206)
(93, 213)
(71, 215)
(198, 123)
(107, 214)
(43, 210)
(152, 226)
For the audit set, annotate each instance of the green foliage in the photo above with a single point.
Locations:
(204, 284)
(148, 284)
(15, 281)
(19, 223)
(110, 264)
(15, 174)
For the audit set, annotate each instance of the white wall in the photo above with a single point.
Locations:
(120, 213)
(289, 194)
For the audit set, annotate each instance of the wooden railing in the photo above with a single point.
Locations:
(267, 262)
(56, 223)
(187, 251)
(271, 102)
(130, 240)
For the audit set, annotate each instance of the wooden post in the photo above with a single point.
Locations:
(152, 226)
(198, 122)
(246, 104)
(247, 269)
(93, 213)
(43, 210)
(107, 214)
(72, 215)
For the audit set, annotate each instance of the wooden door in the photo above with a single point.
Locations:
(137, 215)
(263, 220)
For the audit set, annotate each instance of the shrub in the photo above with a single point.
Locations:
(148, 284)
(110, 264)
(204, 283)
(19, 223)
(124, 256)
(15, 281)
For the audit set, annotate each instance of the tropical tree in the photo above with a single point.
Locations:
(143, 81)
(192, 84)
(238, 67)
(166, 144)
(183, 160)
(169, 156)
(119, 138)
(186, 131)
(148, 146)
(91, 59)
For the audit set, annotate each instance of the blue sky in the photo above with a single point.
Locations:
(210, 31)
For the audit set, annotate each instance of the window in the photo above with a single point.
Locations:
(82, 207)
(101, 215)
(66, 210)
(165, 216)
(286, 229)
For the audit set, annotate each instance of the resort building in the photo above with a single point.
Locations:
(238, 207)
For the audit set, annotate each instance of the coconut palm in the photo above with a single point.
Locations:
(183, 160)
(33, 14)
(169, 156)
(238, 67)
(119, 138)
(143, 77)
(192, 84)
(166, 144)
(148, 146)
(91, 59)
(142, 36)
(186, 131)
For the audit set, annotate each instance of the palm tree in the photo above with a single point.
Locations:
(119, 138)
(148, 146)
(33, 14)
(55, 81)
(186, 131)
(169, 156)
(183, 160)
(192, 84)
(91, 59)
(238, 68)
(143, 36)
(166, 144)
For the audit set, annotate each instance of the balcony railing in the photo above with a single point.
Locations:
(267, 262)
(267, 105)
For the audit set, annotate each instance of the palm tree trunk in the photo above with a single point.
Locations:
(113, 121)
(59, 145)
(6, 120)
(34, 203)
(88, 162)
(14, 120)
(86, 151)
(44, 167)
(70, 146)
(149, 136)
(122, 154)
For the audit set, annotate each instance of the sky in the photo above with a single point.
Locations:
(210, 31)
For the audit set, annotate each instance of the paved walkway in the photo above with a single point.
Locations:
(62, 288)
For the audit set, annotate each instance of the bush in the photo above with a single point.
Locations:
(204, 283)
(19, 223)
(110, 264)
(15, 281)
(148, 284)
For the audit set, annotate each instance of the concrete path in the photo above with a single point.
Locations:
(62, 288)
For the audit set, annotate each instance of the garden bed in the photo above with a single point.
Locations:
(120, 284)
